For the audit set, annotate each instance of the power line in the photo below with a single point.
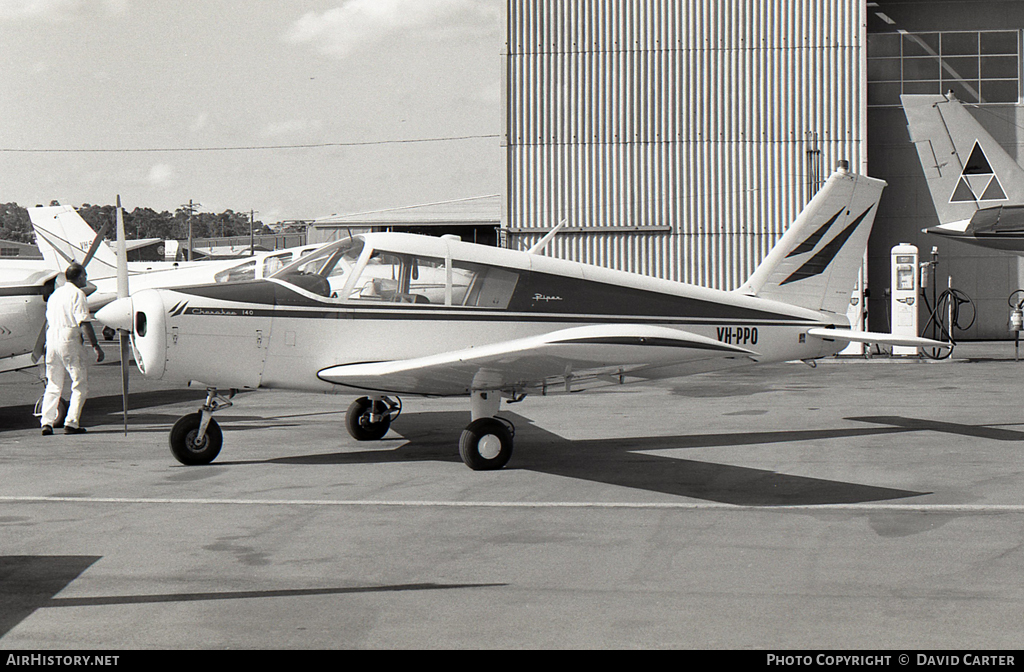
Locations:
(319, 145)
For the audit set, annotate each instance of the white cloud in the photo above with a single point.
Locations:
(201, 122)
(160, 175)
(357, 23)
(58, 10)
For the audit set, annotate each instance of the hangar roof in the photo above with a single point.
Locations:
(483, 210)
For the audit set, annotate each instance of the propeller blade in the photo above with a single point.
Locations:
(122, 264)
(40, 347)
(123, 337)
(96, 244)
(122, 292)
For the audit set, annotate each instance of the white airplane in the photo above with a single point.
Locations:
(976, 186)
(24, 287)
(503, 324)
(63, 237)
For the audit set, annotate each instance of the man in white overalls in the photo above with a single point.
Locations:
(67, 319)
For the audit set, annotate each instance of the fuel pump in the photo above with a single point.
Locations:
(1016, 301)
(903, 295)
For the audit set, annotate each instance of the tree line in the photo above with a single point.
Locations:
(139, 223)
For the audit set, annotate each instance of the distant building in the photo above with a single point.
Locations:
(10, 250)
(474, 220)
(238, 246)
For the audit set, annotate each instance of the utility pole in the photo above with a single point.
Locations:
(191, 207)
(252, 237)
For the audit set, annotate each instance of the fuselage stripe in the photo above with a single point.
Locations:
(465, 316)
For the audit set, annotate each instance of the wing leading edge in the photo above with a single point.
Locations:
(562, 357)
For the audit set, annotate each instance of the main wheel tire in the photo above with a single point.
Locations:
(357, 421)
(486, 444)
(183, 440)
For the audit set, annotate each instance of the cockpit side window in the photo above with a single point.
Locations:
(391, 277)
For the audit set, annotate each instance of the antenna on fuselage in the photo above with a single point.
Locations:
(543, 242)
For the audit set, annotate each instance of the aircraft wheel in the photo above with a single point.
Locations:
(183, 440)
(357, 421)
(486, 444)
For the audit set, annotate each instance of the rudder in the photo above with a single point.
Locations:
(64, 237)
(816, 262)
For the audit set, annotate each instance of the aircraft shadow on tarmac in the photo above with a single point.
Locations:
(621, 462)
(106, 410)
(30, 582)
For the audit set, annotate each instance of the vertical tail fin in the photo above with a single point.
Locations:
(966, 169)
(64, 237)
(816, 262)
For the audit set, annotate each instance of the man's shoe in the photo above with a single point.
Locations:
(47, 430)
(74, 430)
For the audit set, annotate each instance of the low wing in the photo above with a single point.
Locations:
(17, 362)
(565, 357)
(875, 337)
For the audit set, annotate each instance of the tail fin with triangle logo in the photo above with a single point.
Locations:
(966, 169)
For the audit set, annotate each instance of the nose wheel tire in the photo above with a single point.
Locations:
(183, 442)
(486, 444)
(358, 421)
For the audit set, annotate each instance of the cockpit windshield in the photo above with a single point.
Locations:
(324, 271)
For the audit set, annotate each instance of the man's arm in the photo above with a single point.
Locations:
(90, 335)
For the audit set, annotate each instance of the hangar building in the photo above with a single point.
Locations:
(679, 138)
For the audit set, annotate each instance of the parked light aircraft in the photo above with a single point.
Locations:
(976, 186)
(503, 325)
(63, 236)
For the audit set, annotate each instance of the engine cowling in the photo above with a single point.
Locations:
(144, 316)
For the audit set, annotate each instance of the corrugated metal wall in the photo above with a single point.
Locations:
(680, 136)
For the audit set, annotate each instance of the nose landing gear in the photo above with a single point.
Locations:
(196, 438)
(369, 419)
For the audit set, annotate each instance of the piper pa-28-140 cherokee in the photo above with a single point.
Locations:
(387, 314)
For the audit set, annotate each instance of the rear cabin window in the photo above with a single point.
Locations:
(481, 286)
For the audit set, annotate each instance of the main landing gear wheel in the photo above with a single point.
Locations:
(486, 444)
(184, 445)
(366, 423)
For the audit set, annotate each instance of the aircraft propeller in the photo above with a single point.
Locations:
(123, 336)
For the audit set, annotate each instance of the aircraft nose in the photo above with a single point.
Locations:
(117, 314)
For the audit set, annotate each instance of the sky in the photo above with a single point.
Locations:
(143, 80)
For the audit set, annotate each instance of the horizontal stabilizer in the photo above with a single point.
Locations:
(875, 337)
(555, 358)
